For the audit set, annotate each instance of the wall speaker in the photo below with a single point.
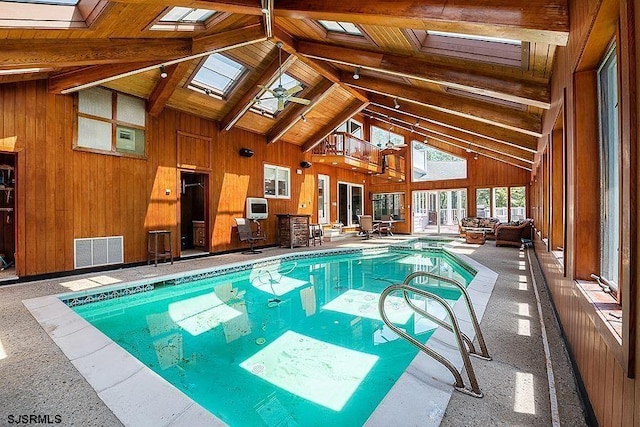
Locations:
(246, 152)
(305, 164)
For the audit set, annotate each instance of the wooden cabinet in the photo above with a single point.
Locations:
(293, 230)
(199, 240)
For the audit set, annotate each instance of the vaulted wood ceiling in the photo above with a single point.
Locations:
(468, 93)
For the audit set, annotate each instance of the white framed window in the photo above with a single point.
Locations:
(277, 182)
(110, 122)
(384, 137)
(431, 164)
(352, 127)
(341, 27)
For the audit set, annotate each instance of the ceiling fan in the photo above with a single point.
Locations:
(390, 146)
(280, 93)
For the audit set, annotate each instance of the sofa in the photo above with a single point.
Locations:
(488, 225)
(512, 233)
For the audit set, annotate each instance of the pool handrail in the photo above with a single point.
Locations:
(459, 385)
(484, 354)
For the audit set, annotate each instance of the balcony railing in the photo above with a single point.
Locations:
(345, 144)
(395, 163)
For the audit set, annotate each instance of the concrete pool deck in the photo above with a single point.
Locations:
(39, 379)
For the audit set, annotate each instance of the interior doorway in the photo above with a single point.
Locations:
(7, 215)
(193, 214)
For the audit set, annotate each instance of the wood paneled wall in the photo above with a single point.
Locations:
(606, 367)
(63, 194)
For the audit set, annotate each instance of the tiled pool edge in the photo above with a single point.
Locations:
(144, 398)
(133, 392)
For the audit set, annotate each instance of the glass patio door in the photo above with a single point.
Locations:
(350, 202)
(438, 211)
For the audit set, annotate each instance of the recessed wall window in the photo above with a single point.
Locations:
(111, 122)
(609, 169)
(431, 164)
(217, 75)
(277, 182)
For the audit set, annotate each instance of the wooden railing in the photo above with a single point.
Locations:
(345, 144)
(395, 163)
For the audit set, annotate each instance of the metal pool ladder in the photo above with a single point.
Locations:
(461, 338)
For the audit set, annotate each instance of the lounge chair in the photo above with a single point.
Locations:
(247, 235)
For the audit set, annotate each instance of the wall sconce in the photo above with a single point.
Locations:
(163, 72)
(304, 164)
(246, 152)
(475, 156)
(304, 119)
(356, 73)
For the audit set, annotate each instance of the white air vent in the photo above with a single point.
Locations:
(92, 252)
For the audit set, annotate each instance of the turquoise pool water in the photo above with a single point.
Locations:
(286, 343)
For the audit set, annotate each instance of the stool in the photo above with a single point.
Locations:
(153, 248)
(315, 233)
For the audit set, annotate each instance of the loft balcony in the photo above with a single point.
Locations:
(394, 167)
(345, 151)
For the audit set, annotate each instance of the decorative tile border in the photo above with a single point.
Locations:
(84, 297)
(111, 294)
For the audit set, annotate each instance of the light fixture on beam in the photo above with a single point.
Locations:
(475, 157)
(303, 118)
(163, 72)
(417, 122)
(356, 73)
(395, 104)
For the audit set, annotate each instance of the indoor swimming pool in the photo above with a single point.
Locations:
(288, 341)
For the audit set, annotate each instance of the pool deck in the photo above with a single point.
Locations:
(39, 379)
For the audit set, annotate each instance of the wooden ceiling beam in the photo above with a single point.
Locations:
(289, 44)
(202, 47)
(164, 88)
(485, 112)
(442, 140)
(84, 52)
(247, 99)
(295, 112)
(544, 21)
(506, 88)
(472, 140)
(81, 76)
(354, 108)
(232, 38)
(244, 7)
(474, 128)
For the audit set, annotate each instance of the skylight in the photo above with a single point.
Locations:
(218, 74)
(341, 27)
(473, 37)
(187, 14)
(267, 102)
(53, 2)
